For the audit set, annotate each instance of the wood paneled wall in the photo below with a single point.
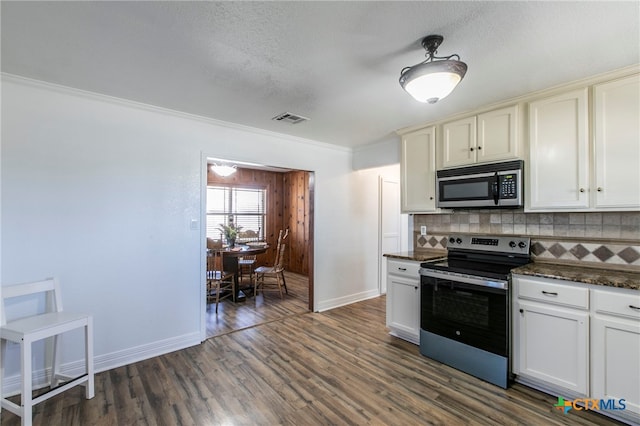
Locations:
(297, 219)
(273, 183)
(288, 206)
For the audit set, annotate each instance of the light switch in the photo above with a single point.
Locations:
(194, 224)
(423, 230)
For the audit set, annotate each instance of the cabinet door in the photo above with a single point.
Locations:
(497, 135)
(459, 142)
(617, 143)
(403, 307)
(552, 346)
(615, 345)
(559, 148)
(418, 171)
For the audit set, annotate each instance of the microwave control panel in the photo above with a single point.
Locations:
(508, 186)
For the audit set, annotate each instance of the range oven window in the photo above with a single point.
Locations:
(462, 307)
(470, 314)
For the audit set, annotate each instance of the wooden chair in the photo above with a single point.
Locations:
(245, 266)
(52, 323)
(275, 272)
(214, 244)
(220, 284)
(282, 235)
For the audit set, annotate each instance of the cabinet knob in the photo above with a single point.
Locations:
(479, 148)
(581, 189)
(431, 198)
(470, 149)
(599, 189)
(522, 311)
(416, 287)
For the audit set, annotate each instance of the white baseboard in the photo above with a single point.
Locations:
(11, 385)
(347, 300)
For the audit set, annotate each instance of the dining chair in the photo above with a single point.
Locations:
(213, 244)
(275, 273)
(246, 265)
(49, 322)
(220, 284)
(282, 236)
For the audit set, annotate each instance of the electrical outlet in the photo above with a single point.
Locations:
(423, 230)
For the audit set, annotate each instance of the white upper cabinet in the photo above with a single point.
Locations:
(487, 137)
(558, 152)
(617, 143)
(459, 142)
(568, 172)
(498, 135)
(418, 171)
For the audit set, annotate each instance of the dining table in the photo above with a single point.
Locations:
(230, 257)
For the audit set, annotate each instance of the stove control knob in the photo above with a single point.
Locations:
(452, 240)
(459, 241)
(512, 244)
(522, 244)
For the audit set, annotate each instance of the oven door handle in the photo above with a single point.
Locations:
(467, 279)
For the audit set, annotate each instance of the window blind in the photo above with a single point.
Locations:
(246, 207)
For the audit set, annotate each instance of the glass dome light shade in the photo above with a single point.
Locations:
(223, 170)
(432, 81)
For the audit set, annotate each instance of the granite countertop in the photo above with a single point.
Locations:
(582, 274)
(418, 255)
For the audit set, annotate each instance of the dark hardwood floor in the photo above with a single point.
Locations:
(265, 308)
(338, 367)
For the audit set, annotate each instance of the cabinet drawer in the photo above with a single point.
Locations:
(614, 303)
(558, 294)
(405, 269)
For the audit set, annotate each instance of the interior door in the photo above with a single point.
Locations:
(390, 226)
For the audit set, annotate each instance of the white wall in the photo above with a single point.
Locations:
(100, 192)
(378, 155)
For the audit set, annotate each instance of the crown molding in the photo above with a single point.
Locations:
(45, 85)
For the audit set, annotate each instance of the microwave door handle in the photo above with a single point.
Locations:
(494, 189)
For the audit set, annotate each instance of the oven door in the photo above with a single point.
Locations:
(467, 309)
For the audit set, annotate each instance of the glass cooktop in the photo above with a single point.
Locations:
(469, 267)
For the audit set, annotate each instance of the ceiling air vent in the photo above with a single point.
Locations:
(287, 117)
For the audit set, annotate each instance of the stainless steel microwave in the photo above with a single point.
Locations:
(480, 186)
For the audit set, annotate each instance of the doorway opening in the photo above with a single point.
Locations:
(288, 205)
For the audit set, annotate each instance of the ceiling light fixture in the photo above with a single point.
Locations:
(431, 80)
(223, 169)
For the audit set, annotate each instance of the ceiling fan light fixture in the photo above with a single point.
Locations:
(436, 77)
(223, 169)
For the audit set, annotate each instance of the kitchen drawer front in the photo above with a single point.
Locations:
(405, 269)
(550, 292)
(619, 304)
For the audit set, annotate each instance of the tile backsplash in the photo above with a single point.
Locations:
(615, 225)
(597, 238)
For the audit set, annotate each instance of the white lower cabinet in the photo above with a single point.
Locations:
(615, 347)
(551, 341)
(403, 299)
(578, 341)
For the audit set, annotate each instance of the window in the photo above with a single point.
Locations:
(245, 205)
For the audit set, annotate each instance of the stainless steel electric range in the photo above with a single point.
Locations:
(464, 306)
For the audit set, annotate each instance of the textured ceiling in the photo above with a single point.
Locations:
(337, 63)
